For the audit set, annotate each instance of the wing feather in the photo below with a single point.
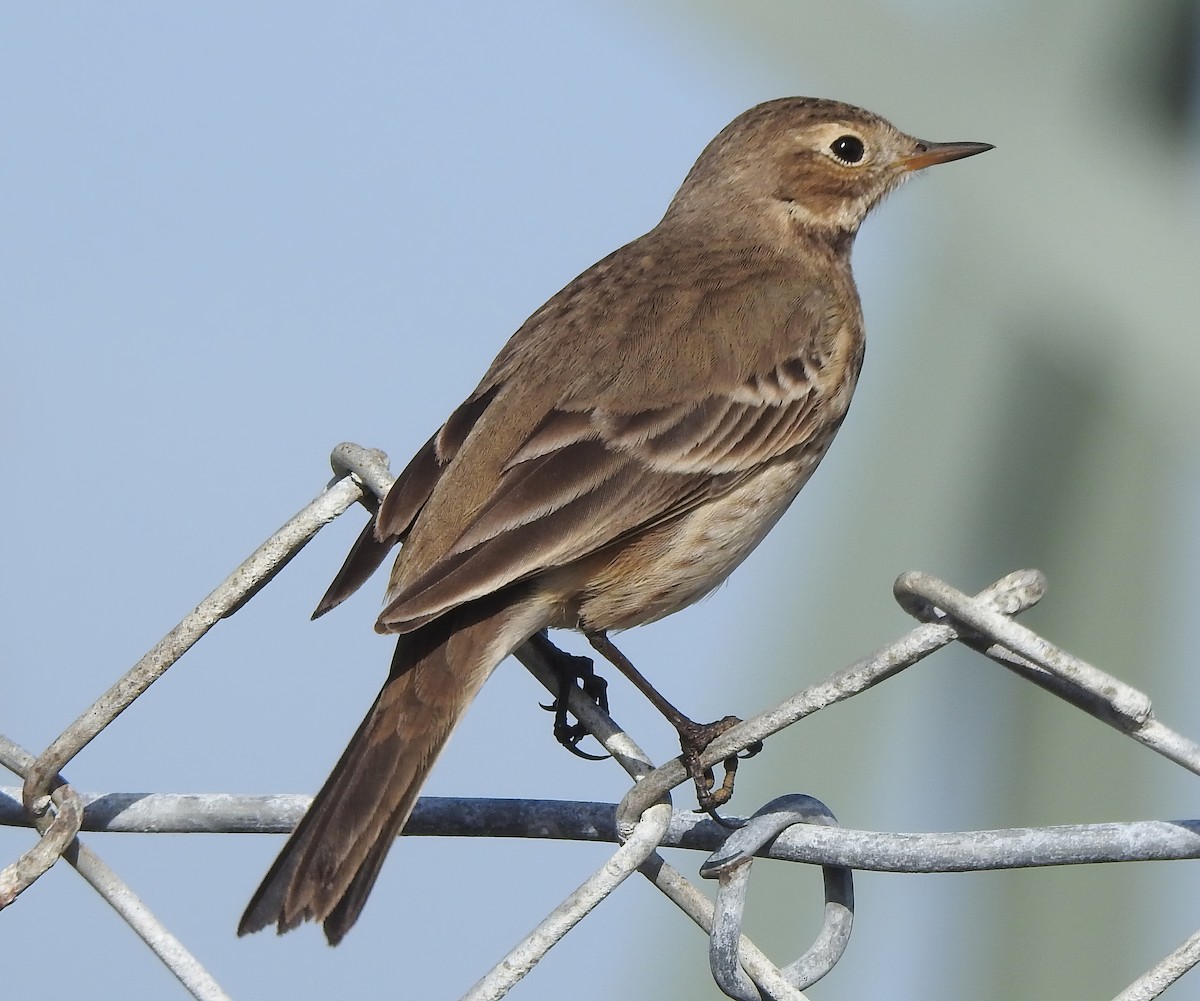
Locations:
(582, 481)
(581, 526)
(665, 375)
(404, 501)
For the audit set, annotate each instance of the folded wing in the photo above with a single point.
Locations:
(586, 479)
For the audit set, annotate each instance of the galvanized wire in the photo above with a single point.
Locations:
(112, 889)
(1164, 973)
(731, 865)
(230, 595)
(643, 822)
(574, 820)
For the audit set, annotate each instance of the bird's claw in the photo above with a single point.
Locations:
(571, 669)
(709, 796)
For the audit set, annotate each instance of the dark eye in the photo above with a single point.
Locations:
(848, 149)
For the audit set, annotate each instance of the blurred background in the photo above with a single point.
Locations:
(235, 235)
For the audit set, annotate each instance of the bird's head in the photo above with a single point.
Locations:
(805, 161)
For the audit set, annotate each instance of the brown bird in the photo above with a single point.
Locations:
(633, 441)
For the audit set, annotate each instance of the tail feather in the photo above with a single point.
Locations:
(346, 911)
(365, 557)
(331, 861)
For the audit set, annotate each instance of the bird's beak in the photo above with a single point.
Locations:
(927, 154)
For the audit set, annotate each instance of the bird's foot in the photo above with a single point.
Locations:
(694, 738)
(571, 669)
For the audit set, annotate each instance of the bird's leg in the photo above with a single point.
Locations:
(570, 669)
(693, 737)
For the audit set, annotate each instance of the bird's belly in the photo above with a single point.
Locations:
(680, 561)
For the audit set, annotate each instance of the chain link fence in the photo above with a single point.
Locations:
(792, 827)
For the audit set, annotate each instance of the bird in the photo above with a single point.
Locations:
(631, 444)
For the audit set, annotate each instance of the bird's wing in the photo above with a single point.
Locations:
(399, 509)
(587, 477)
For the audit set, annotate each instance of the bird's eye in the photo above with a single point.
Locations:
(848, 149)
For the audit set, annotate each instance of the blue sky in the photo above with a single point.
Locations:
(235, 235)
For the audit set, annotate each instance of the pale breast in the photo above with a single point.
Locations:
(677, 563)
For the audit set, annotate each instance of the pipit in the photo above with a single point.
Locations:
(633, 441)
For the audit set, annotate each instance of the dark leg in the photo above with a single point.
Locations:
(570, 669)
(693, 737)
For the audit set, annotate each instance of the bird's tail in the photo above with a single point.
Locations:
(330, 862)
